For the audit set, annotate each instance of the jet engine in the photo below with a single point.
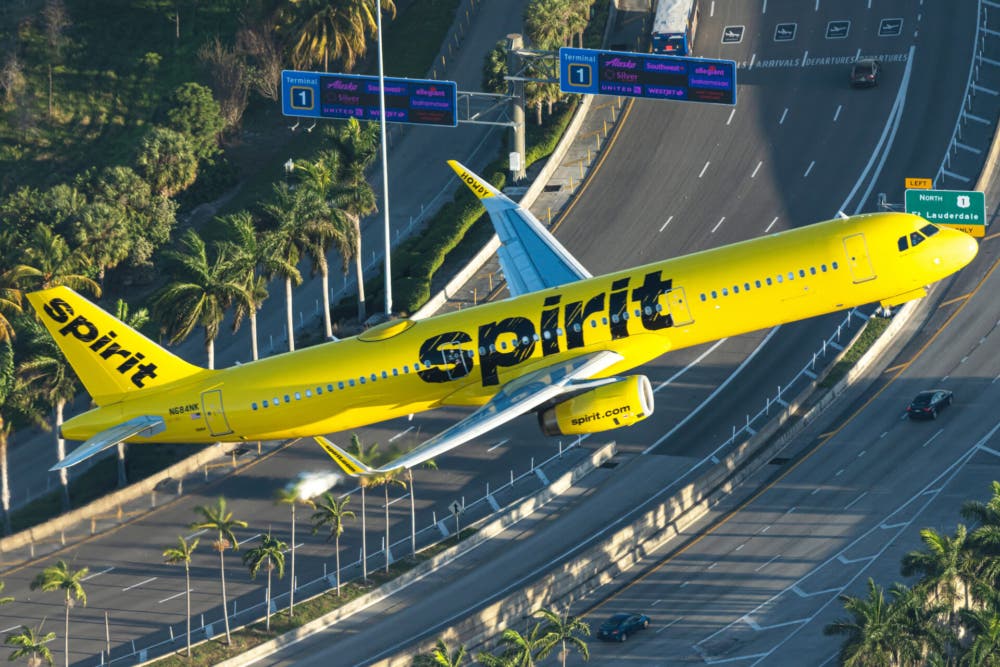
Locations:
(620, 403)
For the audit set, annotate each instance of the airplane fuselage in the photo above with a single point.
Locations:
(463, 357)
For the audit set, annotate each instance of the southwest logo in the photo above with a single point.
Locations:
(102, 344)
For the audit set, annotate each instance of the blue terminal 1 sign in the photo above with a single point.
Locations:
(647, 75)
(413, 101)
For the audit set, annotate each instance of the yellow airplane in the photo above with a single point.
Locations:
(557, 347)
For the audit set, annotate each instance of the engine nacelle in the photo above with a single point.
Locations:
(620, 403)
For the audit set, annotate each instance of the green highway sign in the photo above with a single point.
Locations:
(961, 209)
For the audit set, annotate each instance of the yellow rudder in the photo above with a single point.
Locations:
(110, 358)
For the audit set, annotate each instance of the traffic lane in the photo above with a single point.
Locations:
(525, 553)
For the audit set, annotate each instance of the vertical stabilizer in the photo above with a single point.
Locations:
(110, 358)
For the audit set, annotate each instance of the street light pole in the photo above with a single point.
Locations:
(385, 167)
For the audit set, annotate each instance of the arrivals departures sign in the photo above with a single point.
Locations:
(653, 76)
(412, 101)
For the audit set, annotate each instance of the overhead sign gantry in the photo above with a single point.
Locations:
(685, 79)
(326, 95)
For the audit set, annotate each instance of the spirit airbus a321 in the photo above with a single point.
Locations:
(559, 346)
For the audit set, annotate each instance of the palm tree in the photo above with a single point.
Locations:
(47, 375)
(518, 651)
(294, 212)
(181, 555)
(332, 513)
(336, 29)
(270, 555)
(203, 288)
(4, 599)
(332, 227)
(442, 656)
(10, 299)
(366, 455)
(986, 518)
(872, 630)
(10, 396)
(246, 248)
(355, 198)
(983, 626)
(218, 518)
(560, 631)
(60, 577)
(945, 564)
(291, 495)
(385, 480)
(49, 261)
(30, 643)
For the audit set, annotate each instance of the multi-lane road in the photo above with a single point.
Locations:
(799, 147)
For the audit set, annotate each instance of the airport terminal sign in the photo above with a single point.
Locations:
(961, 209)
(592, 72)
(413, 101)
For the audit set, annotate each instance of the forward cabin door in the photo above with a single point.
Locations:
(215, 417)
(858, 259)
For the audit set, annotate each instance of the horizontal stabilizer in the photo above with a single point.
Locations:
(530, 256)
(144, 425)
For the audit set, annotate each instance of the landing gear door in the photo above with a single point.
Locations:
(215, 417)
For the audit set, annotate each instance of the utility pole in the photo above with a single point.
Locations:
(515, 43)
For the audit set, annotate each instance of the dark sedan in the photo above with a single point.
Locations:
(620, 626)
(927, 404)
(864, 73)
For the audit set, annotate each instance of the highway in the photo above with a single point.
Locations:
(679, 179)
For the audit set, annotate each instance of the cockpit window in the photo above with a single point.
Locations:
(903, 243)
(916, 238)
(929, 230)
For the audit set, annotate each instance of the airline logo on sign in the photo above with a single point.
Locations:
(960, 209)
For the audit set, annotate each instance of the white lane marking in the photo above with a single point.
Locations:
(676, 620)
(401, 434)
(741, 546)
(836, 114)
(884, 433)
(869, 4)
(753, 57)
(805, 58)
(96, 574)
(931, 439)
(144, 581)
(200, 532)
(711, 9)
(731, 114)
(771, 225)
(783, 114)
(764, 10)
(175, 595)
(814, 491)
(739, 369)
(817, 5)
(14, 627)
(703, 169)
(655, 602)
(790, 510)
(774, 558)
(666, 223)
(712, 566)
(249, 539)
(809, 168)
(756, 169)
(863, 451)
(764, 529)
(499, 444)
(839, 473)
(995, 379)
(718, 224)
(851, 504)
(858, 54)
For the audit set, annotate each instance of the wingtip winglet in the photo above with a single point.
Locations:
(347, 463)
(479, 187)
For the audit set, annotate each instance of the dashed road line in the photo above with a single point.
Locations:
(756, 169)
(144, 581)
(704, 169)
(783, 114)
(666, 223)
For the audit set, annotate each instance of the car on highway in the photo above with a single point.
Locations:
(927, 404)
(620, 626)
(864, 73)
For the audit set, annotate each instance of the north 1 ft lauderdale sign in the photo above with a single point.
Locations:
(413, 101)
(593, 72)
(961, 209)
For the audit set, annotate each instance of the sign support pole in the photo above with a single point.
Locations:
(385, 170)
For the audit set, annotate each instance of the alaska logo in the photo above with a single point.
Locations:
(102, 344)
(446, 360)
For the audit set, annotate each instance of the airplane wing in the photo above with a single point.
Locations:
(514, 399)
(144, 425)
(531, 258)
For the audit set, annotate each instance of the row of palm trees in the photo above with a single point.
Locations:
(552, 631)
(950, 616)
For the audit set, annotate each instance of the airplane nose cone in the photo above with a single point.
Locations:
(969, 249)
